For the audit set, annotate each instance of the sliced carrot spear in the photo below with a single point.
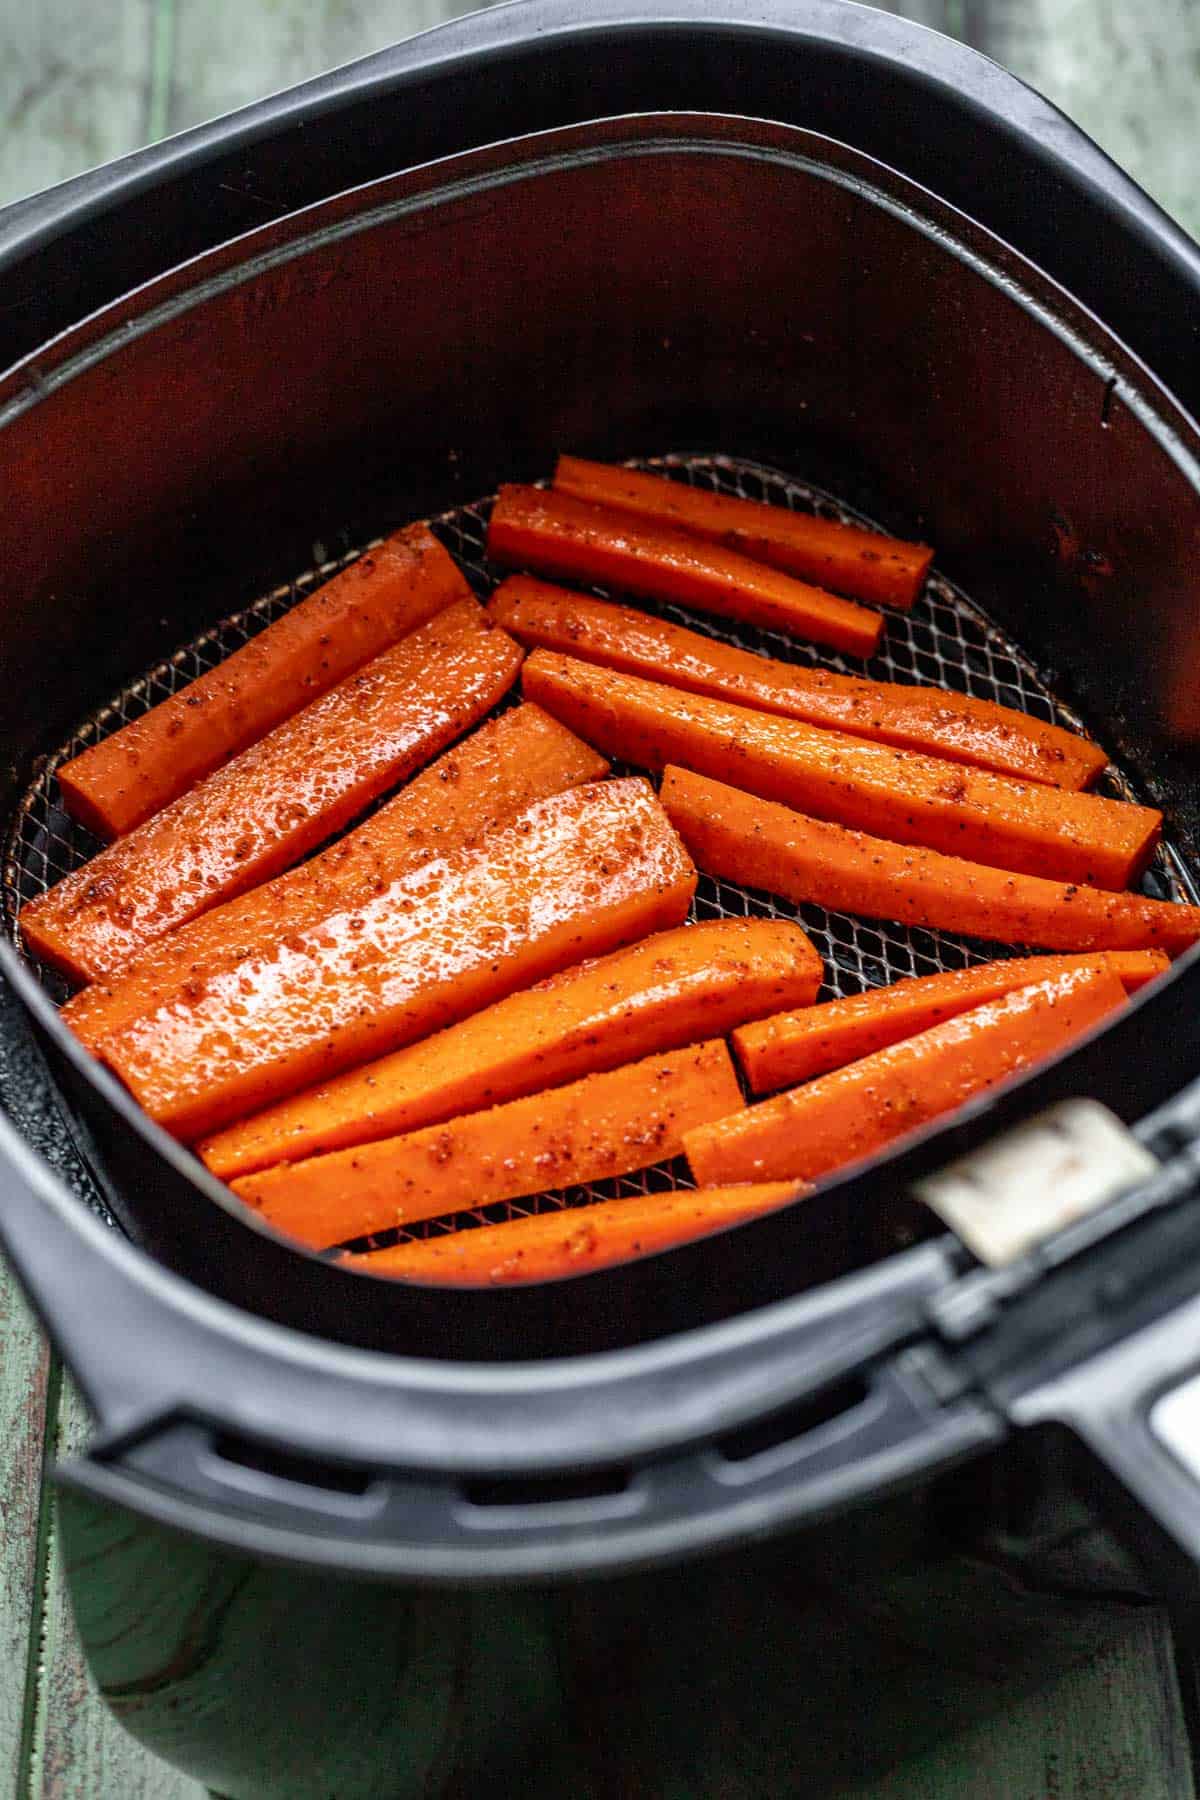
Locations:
(137, 771)
(898, 794)
(733, 835)
(671, 989)
(572, 876)
(954, 726)
(557, 535)
(277, 800)
(482, 782)
(796, 1046)
(602, 1126)
(885, 571)
(839, 1118)
(553, 1245)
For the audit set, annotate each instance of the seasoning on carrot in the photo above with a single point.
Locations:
(277, 800)
(943, 724)
(849, 559)
(796, 1046)
(733, 835)
(672, 989)
(557, 535)
(899, 794)
(503, 767)
(852, 1113)
(389, 591)
(603, 1126)
(552, 1246)
(572, 876)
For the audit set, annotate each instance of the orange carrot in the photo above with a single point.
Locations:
(495, 773)
(278, 799)
(914, 718)
(899, 794)
(854, 1112)
(602, 1126)
(672, 989)
(554, 1245)
(137, 771)
(796, 1046)
(731, 834)
(847, 558)
(560, 536)
(572, 876)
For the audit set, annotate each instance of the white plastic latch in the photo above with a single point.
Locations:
(1036, 1179)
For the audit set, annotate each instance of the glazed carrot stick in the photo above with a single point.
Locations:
(572, 876)
(602, 1126)
(389, 591)
(882, 570)
(839, 1118)
(954, 726)
(671, 989)
(899, 794)
(796, 1046)
(278, 799)
(556, 535)
(482, 782)
(551, 1246)
(731, 834)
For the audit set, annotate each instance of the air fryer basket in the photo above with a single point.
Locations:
(773, 308)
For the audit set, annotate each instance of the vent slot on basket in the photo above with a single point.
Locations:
(286, 1465)
(573, 1488)
(748, 1442)
(945, 640)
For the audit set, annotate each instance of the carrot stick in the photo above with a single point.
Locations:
(669, 990)
(571, 876)
(576, 1241)
(854, 1112)
(885, 571)
(735, 836)
(389, 591)
(559, 536)
(954, 726)
(602, 1126)
(896, 793)
(278, 799)
(495, 773)
(796, 1046)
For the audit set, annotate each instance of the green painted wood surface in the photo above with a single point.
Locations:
(24, 1380)
(76, 1748)
(85, 80)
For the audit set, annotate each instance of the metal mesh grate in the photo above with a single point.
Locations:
(945, 640)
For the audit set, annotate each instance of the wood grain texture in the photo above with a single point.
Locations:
(1129, 75)
(1110, 1729)
(80, 83)
(74, 87)
(77, 1750)
(24, 1370)
(228, 53)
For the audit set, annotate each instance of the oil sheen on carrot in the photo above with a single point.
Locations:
(386, 592)
(897, 794)
(279, 799)
(572, 876)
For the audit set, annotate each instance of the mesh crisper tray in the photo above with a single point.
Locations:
(945, 640)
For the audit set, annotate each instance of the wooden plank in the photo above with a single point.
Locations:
(24, 1372)
(78, 1751)
(1110, 1729)
(228, 53)
(74, 87)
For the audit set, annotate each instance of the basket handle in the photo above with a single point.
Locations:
(879, 1434)
(1135, 1407)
